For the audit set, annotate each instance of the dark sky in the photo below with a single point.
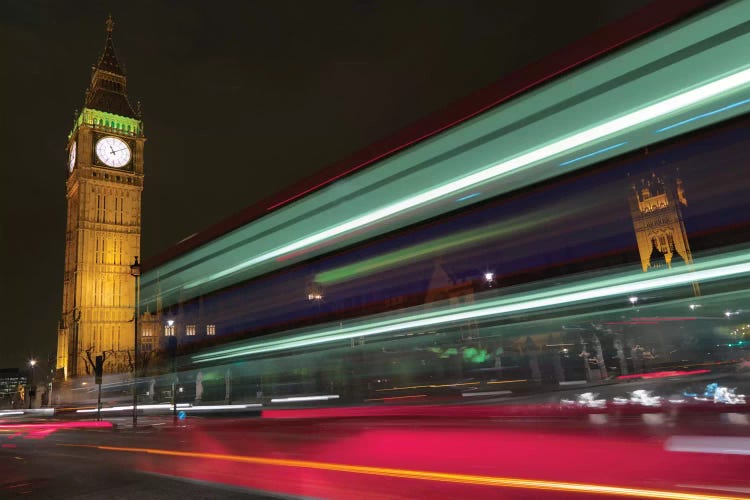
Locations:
(240, 99)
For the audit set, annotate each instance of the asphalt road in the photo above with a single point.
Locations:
(48, 468)
(395, 457)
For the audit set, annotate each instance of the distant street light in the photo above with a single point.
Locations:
(633, 300)
(135, 272)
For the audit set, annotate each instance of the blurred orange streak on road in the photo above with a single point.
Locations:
(503, 482)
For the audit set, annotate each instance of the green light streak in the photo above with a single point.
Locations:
(491, 172)
(405, 255)
(513, 227)
(658, 67)
(722, 267)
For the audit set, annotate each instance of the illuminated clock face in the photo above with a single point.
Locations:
(113, 152)
(72, 157)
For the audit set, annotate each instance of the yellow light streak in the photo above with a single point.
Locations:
(398, 397)
(507, 381)
(430, 386)
(502, 482)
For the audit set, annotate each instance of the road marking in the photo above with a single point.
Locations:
(503, 482)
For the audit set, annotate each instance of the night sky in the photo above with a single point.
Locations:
(240, 99)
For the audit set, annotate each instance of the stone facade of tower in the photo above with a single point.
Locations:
(103, 230)
(655, 207)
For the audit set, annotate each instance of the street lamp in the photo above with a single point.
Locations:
(172, 347)
(32, 364)
(135, 272)
(72, 368)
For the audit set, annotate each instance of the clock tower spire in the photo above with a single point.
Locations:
(104, 185)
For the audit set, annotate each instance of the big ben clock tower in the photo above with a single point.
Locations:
(102, 238)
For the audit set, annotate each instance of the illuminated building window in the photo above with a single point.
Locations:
(190, 330)
(210, 329)
(169, 331)
(147, 332)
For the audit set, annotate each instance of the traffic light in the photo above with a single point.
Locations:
(98, 369)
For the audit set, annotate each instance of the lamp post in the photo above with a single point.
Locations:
(32, 364)
(173, 354)
(73, 350)
(135, 271)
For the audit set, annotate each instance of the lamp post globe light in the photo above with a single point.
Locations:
(135, 271)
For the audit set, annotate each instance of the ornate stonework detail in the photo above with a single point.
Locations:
(656, 210)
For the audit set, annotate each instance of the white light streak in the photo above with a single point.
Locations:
(221, 407)
(709, 444)
(540, 300)
(163, 406)
(305, 398)
(629, 120)
(486, 393)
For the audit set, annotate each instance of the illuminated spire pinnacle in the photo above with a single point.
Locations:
(108, 81)
(108, 61)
